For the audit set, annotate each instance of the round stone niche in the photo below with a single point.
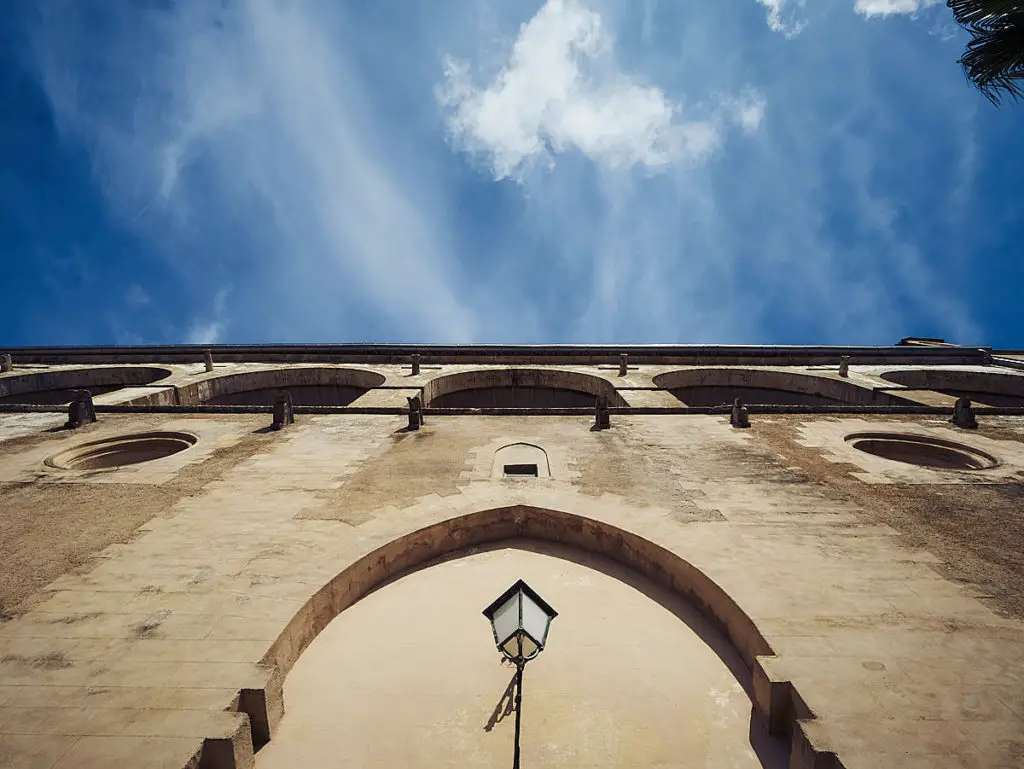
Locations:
(121, 450)
(922, 450)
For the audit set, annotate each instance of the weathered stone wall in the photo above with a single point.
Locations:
(873, 606)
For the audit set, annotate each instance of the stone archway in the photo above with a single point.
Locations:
(774, 701)
(519, 388)
(481, 528)
(633, 675)
(55, 387)
(988, 388)
(719, 386)
(308, 385)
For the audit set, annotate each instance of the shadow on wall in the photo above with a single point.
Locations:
(721, 386)
(985, 388)
(519, 388)
(308, 387)
(771, 752)
(54, 387)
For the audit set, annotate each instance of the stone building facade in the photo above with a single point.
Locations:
(203, 573)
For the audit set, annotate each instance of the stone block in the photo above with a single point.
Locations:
(106, 751)
(24, 751)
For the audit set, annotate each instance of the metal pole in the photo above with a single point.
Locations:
(519, 707)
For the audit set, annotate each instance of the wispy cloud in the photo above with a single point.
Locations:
(248, 123)
(560, 171)
(785, 16)
(210, 329)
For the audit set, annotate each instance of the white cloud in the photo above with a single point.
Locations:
(746, 111)
(784, 16)
(889, 7)
(800, 227)
(562, 89)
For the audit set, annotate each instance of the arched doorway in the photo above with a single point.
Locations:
(408, 676)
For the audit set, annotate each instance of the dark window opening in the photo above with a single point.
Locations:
(520, 471)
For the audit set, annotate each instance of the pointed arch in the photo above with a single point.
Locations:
(413, 550)
(627, 652)
(775, 702)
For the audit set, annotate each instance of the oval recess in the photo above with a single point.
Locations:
(122, 450)
(922, 450)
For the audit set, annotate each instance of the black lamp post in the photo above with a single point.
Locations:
(520, 620)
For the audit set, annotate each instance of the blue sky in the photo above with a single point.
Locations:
(577, 171)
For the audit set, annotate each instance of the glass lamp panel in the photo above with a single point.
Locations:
(511, 646)
(528, 648)
(535, 619)
(506, 618)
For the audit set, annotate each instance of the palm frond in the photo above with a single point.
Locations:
(994, 59)
(970, 12)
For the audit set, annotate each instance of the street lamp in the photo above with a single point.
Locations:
(520, 620)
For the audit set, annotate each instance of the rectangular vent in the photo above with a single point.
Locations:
(520, 471)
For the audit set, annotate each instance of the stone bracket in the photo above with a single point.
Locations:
(415, 412)
(81, 408)
(284, 410)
